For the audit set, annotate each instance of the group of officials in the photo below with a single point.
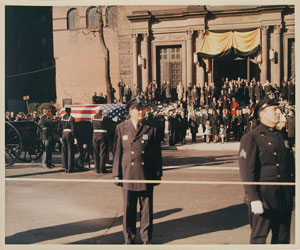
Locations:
(264, 156)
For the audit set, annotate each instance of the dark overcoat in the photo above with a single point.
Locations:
(265, 157)
(137, 155)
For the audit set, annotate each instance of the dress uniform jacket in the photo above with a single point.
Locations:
(137, 155)
(264, 157)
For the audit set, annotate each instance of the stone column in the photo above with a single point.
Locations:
(145, 55)
(276, 73)
(265, 57)
(134, 60)
(189, 57)
(248, 69)
(200, 69)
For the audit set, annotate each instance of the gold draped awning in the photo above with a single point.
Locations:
(221, 44)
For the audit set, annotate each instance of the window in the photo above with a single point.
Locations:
(92, 18)
(73, 19)
(291, 57)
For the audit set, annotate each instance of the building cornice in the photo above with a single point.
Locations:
(202, 11)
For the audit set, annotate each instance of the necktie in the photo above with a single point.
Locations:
(138, 126)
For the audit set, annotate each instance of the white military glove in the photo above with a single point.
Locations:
(257, 207)
(75, 141)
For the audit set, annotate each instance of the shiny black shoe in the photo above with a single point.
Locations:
(147, 242)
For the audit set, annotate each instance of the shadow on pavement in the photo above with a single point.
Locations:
(227, 218)
(199, 160)
(69, 229)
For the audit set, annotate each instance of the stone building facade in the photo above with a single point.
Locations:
(157, 43)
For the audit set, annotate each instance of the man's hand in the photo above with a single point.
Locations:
(257, 207)
(118, 183)
(75, 141)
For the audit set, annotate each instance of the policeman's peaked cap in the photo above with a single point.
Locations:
(267, 102)
(136, 103)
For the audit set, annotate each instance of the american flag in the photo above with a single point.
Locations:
(84, 112)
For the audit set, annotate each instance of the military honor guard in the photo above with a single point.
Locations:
(67, 125)
(137, 156)
(265, 156)
(101, 127)
(47, 136)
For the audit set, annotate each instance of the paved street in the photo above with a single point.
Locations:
(65, 212)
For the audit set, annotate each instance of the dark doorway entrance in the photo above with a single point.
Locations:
(232, 69)
(169, 64)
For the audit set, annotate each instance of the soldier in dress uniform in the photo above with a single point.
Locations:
(265, 156)
(67, 126)
(48, 127)
(137, 156)
(101, 127)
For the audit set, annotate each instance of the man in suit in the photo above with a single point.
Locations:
(265, 156)
(8, 117)
(137, 156)
(193, 124)
(121, 86)
(67, 125)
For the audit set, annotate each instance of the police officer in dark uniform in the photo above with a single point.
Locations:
(265, 156)
(101, 126)
(47, 136)
(67, 125)
(137, 156)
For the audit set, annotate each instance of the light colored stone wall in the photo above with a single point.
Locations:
(79, 58)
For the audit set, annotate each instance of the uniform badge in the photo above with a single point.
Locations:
(145, 137)
(125, 137)
(243, 153)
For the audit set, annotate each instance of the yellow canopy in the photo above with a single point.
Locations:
(220, 44)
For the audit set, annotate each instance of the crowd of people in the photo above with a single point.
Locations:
(219, 113)
(21, 116)
(222, 113)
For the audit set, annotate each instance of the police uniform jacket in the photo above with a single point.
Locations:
(137, 155)
(264, 157)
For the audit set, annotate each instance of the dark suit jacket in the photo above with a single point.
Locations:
(264, 157)
(137, 155)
